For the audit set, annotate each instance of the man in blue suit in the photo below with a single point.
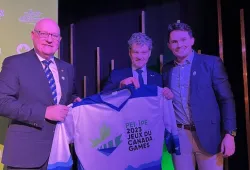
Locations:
(35, 88)
(140, 46)
(203, 103)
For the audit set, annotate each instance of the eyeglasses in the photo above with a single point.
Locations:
(46, 35)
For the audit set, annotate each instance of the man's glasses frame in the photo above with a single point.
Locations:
(42, 34)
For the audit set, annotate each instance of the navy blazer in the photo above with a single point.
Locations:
(118, 75)
(24, 96)
(211, 99)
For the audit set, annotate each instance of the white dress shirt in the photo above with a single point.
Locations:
(144, 74)
(54, 71)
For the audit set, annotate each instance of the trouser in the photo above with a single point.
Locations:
(192, 154)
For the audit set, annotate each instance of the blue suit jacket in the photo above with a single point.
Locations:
(24, 96)
(118, 75)
(211, 99)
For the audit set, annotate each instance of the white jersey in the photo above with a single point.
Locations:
(122, 130)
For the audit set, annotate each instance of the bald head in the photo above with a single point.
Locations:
(46, 38)
(45, 23)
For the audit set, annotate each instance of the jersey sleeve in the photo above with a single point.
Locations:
(171, 133)
(169, 116)
(60, 156)
(69, 126)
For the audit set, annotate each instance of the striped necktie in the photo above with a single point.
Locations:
(51, 79)
(140, 78)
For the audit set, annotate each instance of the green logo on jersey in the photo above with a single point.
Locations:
(103, 146)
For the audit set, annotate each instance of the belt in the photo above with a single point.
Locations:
(187, 127)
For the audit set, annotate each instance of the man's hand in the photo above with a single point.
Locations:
(78, 99)
(56, 112)
(228, 145)
(168, 93)
(130, 80)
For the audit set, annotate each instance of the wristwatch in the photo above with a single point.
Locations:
(232, 133)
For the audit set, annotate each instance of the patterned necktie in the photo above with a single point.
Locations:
(51, 79)
(139, 71)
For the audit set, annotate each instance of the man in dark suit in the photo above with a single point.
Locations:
(140, 46)
(203, 103)
(35, 88)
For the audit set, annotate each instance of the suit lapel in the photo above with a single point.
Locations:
(40, 77)
(150, 77)
(195, 72)
(167, 74)
(128, 73)
(62, 75)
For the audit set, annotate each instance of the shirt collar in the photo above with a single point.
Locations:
(188, 60)
(144, 69)
(41, 59)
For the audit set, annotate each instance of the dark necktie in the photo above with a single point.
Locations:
(51, 79)
(140, 78)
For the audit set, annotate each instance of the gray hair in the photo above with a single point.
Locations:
(140, 39)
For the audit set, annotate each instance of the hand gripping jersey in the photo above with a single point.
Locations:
(122, 130)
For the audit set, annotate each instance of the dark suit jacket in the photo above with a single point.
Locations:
(24, 96)
(118, 75)
(211, 99)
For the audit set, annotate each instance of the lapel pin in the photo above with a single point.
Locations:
(194, 73)
(63, 78)
(62, 70)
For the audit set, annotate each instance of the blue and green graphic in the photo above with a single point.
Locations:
(106, 146)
